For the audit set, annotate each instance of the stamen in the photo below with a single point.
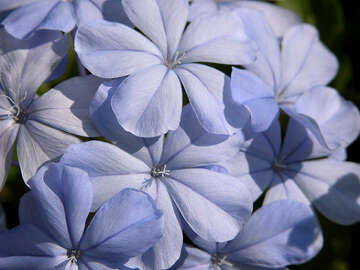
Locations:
(278, 166)
(73, 255)
(218, 260)
(159, 172)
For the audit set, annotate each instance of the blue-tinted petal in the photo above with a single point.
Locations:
(204, 87)
(38, 143)
(214, 205)
(45, 14)
(62, 197)
(8, 133)
(277, 235)
(191, 146)
(29, 248)
(333, 187)
(148, 103)
(110, 168)
(146, 149)
(217, 39)
(334, 121)
(268, 63)
(167, 250)
(111, 50)
(161, 20)
(280, 19)
(18, 75)
(66, 106)
(306, 62)
(249, 90)
(125, 226)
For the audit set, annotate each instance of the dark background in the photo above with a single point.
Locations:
(339, 27)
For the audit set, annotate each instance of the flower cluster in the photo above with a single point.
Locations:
(179, 146)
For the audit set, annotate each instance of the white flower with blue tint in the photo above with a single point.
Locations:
(41, 126)
(174, 173)
(148, 103)
(299, 169)
(279, 18)
(55, 233)
(270, 240)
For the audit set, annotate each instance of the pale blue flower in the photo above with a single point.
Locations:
(40, 125)
(279, 18)
(299, 169)
(55, 234)
(148, 102)
(213, 204)
(288, 79)
(29, 16)
(277, 235)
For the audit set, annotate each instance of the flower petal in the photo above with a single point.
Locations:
(66, 106)
(249, 90)
(148, 103)
(19, 77)
(59, 203)
(8, 133)
(162, 21)
(306, 62)
(333, 187)
(277, 235)
(192, 146)
(29, 248)
(110, 169)
(217, 39)
(334, 121)
(38, 143)
(38, 15)
(111, 50)
(167, 250)
(204, 87)
(214, 205)
(125, 226)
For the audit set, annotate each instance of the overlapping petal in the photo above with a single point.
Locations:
(137, 220)
(38, 143)
(66, 106)
(111, 50)
(218, 39)
(221, 202)
(148, 103)
(292, 236)
(58, 206)
(306, 61)
(110, 168)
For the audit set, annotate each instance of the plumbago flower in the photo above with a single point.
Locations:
(175, 174)
(54, 232)
(277, 235)
(278, 79)
(279, 18)
(41, 125)
(148, 103)
(29, 16)
(299, 169)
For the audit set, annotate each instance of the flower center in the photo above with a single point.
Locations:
(176, 60)
(73, 255)
(218, 260)
(13, 111)
(277, 166)
(157, 172)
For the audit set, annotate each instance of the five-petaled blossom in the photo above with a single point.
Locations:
(56, 233)
(175, 173)
(267, 241)
(148, 102)
(40, 125)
